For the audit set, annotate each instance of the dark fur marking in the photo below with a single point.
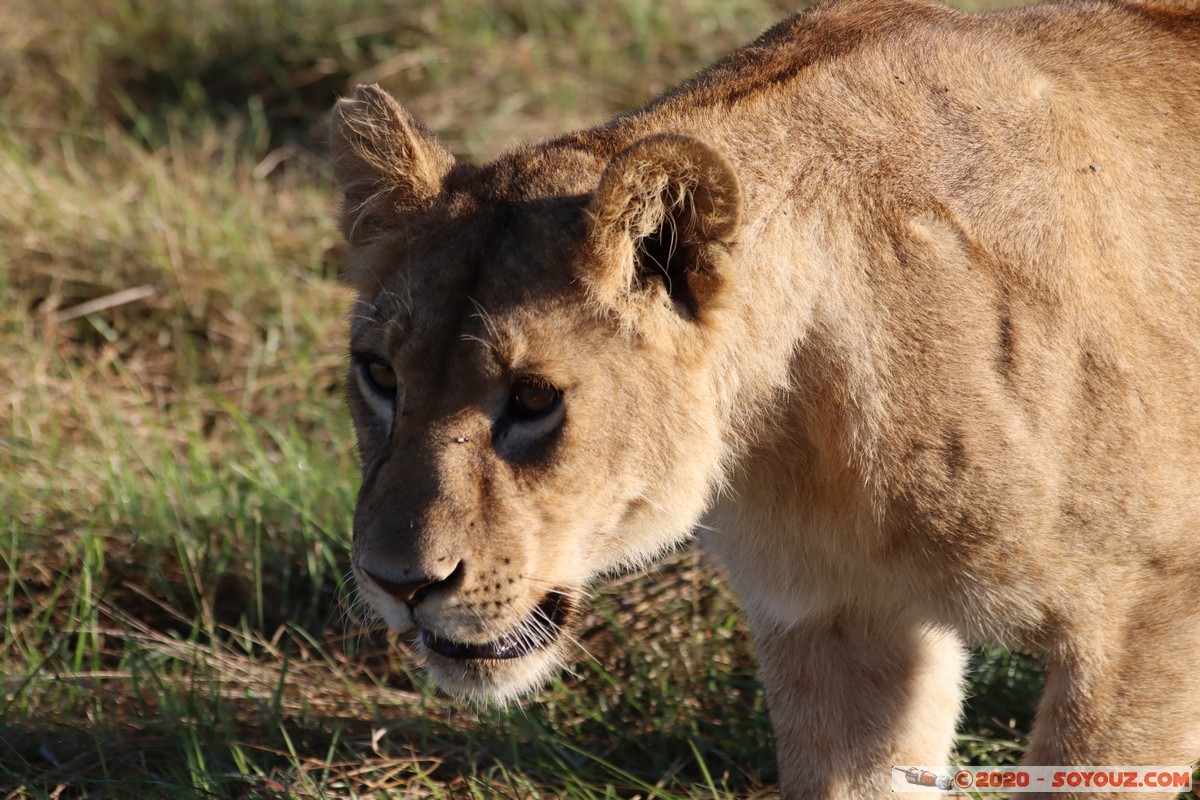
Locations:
(954, 455)
(1007, 360)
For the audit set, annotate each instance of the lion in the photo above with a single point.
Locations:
(898, 306)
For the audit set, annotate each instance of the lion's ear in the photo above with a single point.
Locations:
(384, 161)
(662, 223)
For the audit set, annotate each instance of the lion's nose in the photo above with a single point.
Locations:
(415, 588)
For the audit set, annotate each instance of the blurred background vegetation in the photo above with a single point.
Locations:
(177, 471)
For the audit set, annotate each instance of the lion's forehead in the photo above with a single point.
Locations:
(493, 276)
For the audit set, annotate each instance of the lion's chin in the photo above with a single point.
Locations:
(514, 663)
(492, 680)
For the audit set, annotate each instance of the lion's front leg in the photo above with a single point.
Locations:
(850, 698)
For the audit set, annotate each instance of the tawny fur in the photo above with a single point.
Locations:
(902, 303)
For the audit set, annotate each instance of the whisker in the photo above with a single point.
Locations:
(552, 585)
(483, 315)
(582, 593)
(468, 337)
(658, 507)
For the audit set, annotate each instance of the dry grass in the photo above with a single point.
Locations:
(178, 466)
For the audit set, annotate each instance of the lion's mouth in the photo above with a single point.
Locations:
(540, 629)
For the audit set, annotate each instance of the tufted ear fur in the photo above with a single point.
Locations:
(661, 224)
(384, 161)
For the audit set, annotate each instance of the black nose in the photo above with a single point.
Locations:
(413, 589)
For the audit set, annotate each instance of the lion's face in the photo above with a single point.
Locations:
(532, 411)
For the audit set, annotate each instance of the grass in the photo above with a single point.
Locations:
(178, 469)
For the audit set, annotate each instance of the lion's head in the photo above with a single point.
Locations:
(531, 377)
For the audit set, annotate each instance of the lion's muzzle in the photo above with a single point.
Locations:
(537, 631)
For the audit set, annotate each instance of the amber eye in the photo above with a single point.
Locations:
(533, 397)
(382, 376)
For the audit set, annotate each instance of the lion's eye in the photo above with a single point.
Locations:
(533, 397)
(381, 376)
